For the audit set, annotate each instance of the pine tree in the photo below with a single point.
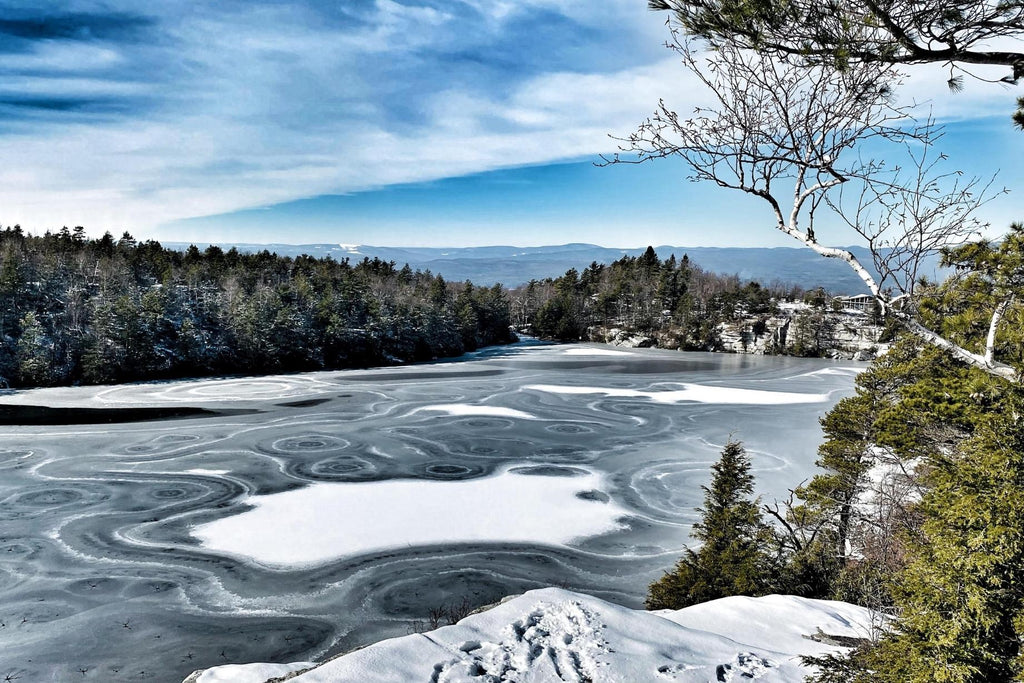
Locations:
(958, 587)
(467, 316)
(819, 529)
(33, 352)
(962, 595)
(730, 560)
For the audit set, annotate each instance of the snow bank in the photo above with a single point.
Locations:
(697, 393)
(840, 371)
(247, 673)
(556, 635)
(326, 521)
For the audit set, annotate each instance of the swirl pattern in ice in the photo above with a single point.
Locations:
(104, 575)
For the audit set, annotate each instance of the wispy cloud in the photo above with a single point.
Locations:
(117, 115)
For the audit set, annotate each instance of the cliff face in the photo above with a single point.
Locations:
(837, 335)
(760, 336)
(793, 331)
(858, 337)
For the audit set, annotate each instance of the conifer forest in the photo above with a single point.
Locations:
(79, 310)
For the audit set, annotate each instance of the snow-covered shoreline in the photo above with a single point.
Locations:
(552, 634)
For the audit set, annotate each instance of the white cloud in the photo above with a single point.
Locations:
(278, 102)
(926, 86)
(65, 57)
(279, 111)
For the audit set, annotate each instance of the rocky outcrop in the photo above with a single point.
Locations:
(857, 336)
(760, 336)
(800, 331)
(617, 337)
(804, 333)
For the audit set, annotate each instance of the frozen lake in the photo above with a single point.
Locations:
(152, 529)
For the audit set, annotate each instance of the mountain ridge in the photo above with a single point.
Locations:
(512, 266)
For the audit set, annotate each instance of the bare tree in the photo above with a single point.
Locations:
(792, 134)
(909, 213)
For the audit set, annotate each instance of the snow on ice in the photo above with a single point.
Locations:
(326, 521)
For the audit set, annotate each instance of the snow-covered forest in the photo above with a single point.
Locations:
(78, 310)
(678, 303)
(642, 293)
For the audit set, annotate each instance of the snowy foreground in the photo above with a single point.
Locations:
(557, 635)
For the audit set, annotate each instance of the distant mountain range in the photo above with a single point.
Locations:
(513, 266)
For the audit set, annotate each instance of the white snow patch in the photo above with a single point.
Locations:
(556, 635)
(841, 371)
(697, 393)
(890, 483)
(202, 471)
(464, 409)
(249, 673)
(327, 521)
(591, 351)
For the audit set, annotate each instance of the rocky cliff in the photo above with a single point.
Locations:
(793, 331)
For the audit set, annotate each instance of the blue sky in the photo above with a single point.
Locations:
(426, 122)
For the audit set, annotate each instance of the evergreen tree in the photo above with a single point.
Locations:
(816, 536)
(32, 354)
(958, 586)
(111, 310)
(962, 596)
(731, 559)
(467, 316)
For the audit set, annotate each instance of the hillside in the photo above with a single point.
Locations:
(513, 266)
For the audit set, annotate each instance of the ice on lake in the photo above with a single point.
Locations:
(376, 496)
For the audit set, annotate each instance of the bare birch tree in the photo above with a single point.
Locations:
(912, 212)
(793, 134)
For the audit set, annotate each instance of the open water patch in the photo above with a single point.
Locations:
(26, 415)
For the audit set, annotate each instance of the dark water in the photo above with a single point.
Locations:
(101, 580)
